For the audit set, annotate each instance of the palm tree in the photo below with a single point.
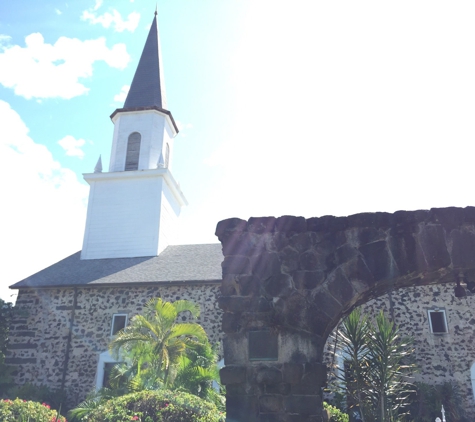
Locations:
(377, 374)
(154, 342)
(198, 373)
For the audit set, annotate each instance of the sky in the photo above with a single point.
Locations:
(300, 107)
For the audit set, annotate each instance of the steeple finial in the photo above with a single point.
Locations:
(156, 8)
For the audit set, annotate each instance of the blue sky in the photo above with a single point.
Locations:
(302, 108)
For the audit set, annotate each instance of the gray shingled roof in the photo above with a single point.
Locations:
(176, 264)
(148, 89)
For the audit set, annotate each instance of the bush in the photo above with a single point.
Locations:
(336, 415)
(27, 411)
(428, 399)
(39, 393)
(154, 406)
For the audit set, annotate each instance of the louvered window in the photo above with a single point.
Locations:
(133, 152)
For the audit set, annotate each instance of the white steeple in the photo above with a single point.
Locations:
(133, 209)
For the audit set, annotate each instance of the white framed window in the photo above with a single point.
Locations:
(438, 321)
(105, 364)
(119, 322)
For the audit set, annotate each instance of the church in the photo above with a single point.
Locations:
(75, 306)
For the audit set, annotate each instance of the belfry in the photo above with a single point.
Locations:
(134, 207)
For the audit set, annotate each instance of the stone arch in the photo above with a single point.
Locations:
(298, 277)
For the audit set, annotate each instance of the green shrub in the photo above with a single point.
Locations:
(27, 411)
(152, 406)
(336, 415)
(428, 399)
(40, 393)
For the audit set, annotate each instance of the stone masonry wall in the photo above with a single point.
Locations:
(439, 357)
(38, 342)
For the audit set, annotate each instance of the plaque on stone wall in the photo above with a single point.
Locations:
(263, 345)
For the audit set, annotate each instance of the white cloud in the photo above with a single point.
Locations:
(72, 146)
(122, 95)
(97, 5)
(58, 12)
(5, 39)
(46, 201)
(41, 70)
(112, 18)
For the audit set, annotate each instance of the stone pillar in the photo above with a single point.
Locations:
(274, 337)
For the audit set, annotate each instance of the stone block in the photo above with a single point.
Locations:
(270, 403)
(281, 388)
(236, 265)
(234, 303)
(377, 259)
(279, 285)
(290, 224)
(266, 265)
(244, 244)
(463, 245)
(248, 285)
(303, 404)
(308, 385)
(312, 261)
(308, 280)
(231, 322)
(233, 374)
(325, 302)
(317, 322)
(433, 243)
(345, 253)
(261, 225)
(229, 286)
(405, 251)
(450, 217)
(293, 372)
(230, 224)
(294, 310)
(290, 259)
(327, 223)
(242, 409)
(304, 241)
(339, 286)
(268, 375)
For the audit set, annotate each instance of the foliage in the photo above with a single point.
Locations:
(377, 375)
(336, 415)
(159, 353)
(6, 314)
(427, 402)
(38, 393)
(27, 411)
(154, 342)
(153, 406)
(197, 371)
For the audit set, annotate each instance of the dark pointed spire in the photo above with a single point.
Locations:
(148, 87)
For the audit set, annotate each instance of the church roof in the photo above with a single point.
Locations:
(177, 264)
(148, 87)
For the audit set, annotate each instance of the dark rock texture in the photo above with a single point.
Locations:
(312, 272)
